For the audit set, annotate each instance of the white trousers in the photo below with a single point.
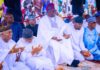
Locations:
(40, 63)
(62, 51)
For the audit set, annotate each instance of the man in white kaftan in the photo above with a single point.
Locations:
(4, 51)
(6, 57)
(33, 54)
(51, 32)
(76, 31)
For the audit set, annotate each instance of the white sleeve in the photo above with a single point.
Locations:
(19, 43)
(67, 29)
(82, 46)
(44, 32)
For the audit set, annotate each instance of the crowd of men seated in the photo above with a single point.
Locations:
(48, 42)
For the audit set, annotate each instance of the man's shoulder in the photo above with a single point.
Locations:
(20, 39)
(12, 41)
(43, 17)
(36, 39)
(58, 17)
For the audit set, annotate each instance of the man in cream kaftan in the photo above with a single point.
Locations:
(7, 58)
(76, 31)
(37, 60)
(51, 32)
(4, 51)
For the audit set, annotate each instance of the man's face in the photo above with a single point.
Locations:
(29, 40)
(51, 13)
(77, 26)
(6, 35)
(32, 22)
(9, 18)
(98, 20)
(92, 25)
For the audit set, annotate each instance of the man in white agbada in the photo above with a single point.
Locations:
(76, 31)
(51, 32)
(33, 54)
(7, 55)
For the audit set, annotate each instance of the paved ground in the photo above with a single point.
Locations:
(86, 66)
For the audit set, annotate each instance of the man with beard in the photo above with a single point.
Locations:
(91, 37)
(58, 44)
(8, 51)
(76, 31)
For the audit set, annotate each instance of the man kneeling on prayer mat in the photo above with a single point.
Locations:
(76, 32)
(91, 38)
(58, 44)
(34, 53)
(7, 51)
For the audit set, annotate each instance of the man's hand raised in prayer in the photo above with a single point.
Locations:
(85, 53)
(55, 38)
(15, 50)
(20, 49)
(36, 50)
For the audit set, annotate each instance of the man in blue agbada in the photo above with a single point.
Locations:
(91, 37)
